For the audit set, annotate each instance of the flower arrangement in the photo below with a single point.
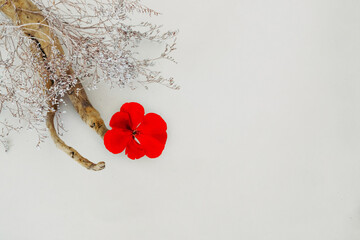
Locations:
(50, 49)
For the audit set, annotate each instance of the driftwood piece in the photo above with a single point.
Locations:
(30, 19)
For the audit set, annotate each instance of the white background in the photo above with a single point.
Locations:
(264, 137)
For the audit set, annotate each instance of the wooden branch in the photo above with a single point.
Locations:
(69, 150)
(86, 111)
(29, 18)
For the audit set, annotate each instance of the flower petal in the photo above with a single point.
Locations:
(136, 113)
(152, 135)
(115, 140)
(153, 145)
(152, 123)
(120, 120)
(134, 150)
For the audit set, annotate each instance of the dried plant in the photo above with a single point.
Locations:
(49, 49)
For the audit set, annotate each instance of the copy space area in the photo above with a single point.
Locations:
(263, 136)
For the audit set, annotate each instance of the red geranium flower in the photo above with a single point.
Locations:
(140, 135)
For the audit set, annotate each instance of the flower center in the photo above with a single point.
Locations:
(134, 133)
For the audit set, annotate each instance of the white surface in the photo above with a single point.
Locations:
(264, 137)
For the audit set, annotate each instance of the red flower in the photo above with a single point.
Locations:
(140, 135)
